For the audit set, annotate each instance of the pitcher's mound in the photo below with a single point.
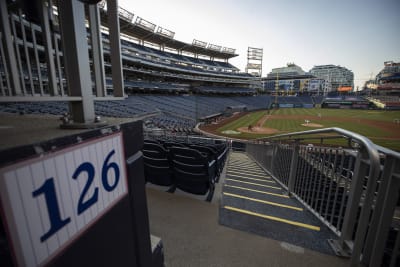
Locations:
(313, 125)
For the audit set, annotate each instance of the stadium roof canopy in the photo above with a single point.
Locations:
(146, 31)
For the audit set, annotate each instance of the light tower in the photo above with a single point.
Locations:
(254, 61)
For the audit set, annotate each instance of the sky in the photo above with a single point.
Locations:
(357, 34)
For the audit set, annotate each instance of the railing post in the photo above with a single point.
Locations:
(366, 209)
(274, 152)
(344, 246)
(293, 167)
(383, 213)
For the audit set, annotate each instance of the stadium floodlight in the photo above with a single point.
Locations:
(254, 61)
(199, 43)
(125, 14)
(214, 47)
(255, 53)
(165, 32)
(228, 50)
(145, 24)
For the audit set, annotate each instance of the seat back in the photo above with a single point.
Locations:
(193, 172)
(169, 144)
(157, 168)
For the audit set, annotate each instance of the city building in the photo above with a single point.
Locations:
(293, 80)
(338, 77)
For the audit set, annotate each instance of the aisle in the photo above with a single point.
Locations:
(252, 201)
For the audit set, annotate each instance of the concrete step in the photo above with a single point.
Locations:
(252, 201)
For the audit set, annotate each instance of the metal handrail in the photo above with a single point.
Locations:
(367, 166)
(371, 148)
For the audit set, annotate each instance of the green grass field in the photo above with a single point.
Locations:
(379, 126)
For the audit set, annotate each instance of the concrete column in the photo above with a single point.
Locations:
(76, 57)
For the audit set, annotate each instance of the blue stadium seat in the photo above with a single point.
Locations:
(193, 172)
(156, 165)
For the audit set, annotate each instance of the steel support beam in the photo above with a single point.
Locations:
(115, 48)
(97, 51)
(47, 35)
(10, 59)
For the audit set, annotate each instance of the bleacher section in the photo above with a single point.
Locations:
(177, 113)
(176, 60)
(149, 57)
(146, 69)
(386, 101)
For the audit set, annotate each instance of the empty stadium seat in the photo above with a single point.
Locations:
(169, 144)
(156, 165)
(214, 152)
(193, 172)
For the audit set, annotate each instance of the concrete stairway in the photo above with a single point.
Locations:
(252, 201)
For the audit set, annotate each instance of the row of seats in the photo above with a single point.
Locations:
(177, 113)
(207, 64)
(225, 90)
(193, 168)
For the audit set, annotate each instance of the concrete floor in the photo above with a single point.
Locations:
(192, 236)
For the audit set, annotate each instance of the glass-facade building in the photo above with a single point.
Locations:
(292, 80)
(336, 76)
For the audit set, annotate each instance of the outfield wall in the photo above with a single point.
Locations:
(346, 105)
(297, 105)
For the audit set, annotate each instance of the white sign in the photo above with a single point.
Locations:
(48, 201)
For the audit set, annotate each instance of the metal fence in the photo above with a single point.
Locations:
(352, 188)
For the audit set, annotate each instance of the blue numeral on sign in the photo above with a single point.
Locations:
(49, 191)
(56, 223)
(84, 205)
(104, 172)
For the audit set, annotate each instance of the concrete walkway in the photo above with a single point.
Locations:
(192, 237)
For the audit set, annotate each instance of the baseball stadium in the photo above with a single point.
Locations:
(123, 146)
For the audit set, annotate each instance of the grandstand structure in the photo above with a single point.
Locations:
(385, 91)
(92, 60)
(152, 60)
(137, 57)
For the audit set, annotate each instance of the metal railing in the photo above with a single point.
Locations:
(352, 188)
